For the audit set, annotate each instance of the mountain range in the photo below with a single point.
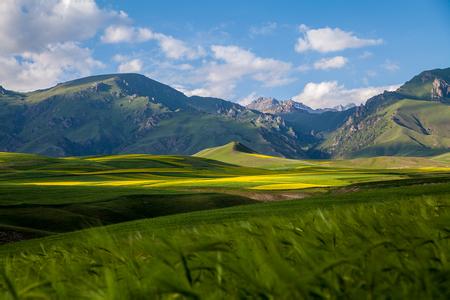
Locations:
(130, 113)
(273, 106)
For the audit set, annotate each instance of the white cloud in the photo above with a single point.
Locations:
(330, 94)
(240, 62)
(330, 39)
(41, 40)
(123, 33)
(33, 25)
(231, 64)
(336, 62)
(132, 66)
(34, 70)
(172, 48)
(218, 90)
(176, 49)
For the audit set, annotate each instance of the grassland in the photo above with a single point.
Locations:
(192, 227)
(378, 243)
(41, 195)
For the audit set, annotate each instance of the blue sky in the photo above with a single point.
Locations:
(322, 53)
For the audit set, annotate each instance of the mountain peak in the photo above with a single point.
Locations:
(104, 77)
(264, 104)
(274, 106)
(118, 86)
(432, 85)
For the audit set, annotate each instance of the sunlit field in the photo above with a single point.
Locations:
(130, 226)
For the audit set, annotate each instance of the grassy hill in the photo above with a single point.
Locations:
(41, 195)
(383, 241)
(238, 154)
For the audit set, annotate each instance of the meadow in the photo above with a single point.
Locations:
(181, 227)
(42, 196)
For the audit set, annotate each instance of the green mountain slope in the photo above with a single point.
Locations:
(413, 121)
(130, 113)
(313, 125)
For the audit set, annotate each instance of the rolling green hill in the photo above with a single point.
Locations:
(413, 121)
(238, 154)
(43, 195)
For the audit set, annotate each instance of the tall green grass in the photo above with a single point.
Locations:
(396, 249)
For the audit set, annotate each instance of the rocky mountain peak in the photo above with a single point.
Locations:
(440, 89)
(274, 106)
(264, 104)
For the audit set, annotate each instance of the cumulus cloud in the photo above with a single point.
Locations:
(331, 93)
(231, 64)
(33, 25)
(124, 33)
(173, 48)
(34, 70)
(132, 66)
(41, 40)
(330, 39)
(336, 62)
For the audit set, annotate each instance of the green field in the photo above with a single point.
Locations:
(193, 227)
(41, 195)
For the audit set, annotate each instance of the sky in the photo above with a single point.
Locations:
(321, 53)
